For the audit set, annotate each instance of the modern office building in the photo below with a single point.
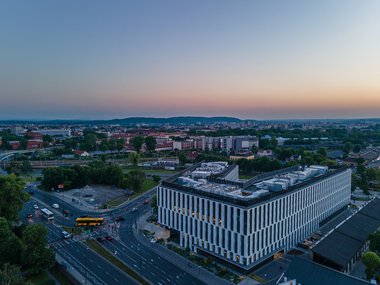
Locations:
(246, 222)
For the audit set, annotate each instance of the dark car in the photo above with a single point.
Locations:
(100, 239)
(66, 212)
(31, 192)
(146, 202)
(29, 216)
(119, 219)
(109, 238)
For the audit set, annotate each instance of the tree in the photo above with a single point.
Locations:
(372, 263)
(36, 255)
(134, 158)
(12, 197)
(137, 143)
(374, 241)
(182, 158)
(11, 275)
(156, 178)
(357, 148)
(153, 203)
(322, 152)
(285, 154)
(120, 144)
(10, 246)
(150, 143)
(135, 180)
(347, 147)
(89, 142)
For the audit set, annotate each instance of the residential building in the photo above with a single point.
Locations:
(37, 143)
(244, 155)
(244, 223)
(17, 130)
(56, 132)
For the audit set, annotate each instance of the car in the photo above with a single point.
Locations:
(146, 201)
(66, 212)
(119, 219)
(65, 235)
(29, 216)
(152, 240)
(134, 210)
(65, 264)
(55, 206)
(31, 193)
(100, 239)
(35, 206)
(109, 238)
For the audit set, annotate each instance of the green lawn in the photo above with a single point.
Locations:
(115, 261)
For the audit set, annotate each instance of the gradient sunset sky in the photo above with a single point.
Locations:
(93, 59)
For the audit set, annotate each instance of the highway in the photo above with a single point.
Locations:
(128, 249)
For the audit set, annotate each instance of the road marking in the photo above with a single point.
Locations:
(107, 273)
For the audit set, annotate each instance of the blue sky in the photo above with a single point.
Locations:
(249, 59)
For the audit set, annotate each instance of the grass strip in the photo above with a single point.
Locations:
(115, 261)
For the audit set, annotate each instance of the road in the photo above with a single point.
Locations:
(132, 252)
(92, 266)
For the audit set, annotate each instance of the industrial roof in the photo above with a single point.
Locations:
(307, 272)
(344, 242)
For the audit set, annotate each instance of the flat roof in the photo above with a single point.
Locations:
(217, 187)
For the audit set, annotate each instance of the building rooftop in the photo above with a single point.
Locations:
(307, 272)
(221, 180)
(344, 241)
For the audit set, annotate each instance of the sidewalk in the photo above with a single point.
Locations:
(183, 263)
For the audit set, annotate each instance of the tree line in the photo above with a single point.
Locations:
(97, 172)
(23, 249)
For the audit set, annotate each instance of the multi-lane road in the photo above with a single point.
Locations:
(125, 246)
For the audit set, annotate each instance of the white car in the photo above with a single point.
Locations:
(152, 240)
(35, 206)
(55, 206)
(65, 234)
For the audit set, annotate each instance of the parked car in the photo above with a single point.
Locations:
(66, 212)
(152, 240)
(35, 206)
(55, 206)
(109, 238)
(65, 235)
(134, 210)
(29, 216)
(146, 201)
(100, 239)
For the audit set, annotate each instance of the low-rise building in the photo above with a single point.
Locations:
(344, 246)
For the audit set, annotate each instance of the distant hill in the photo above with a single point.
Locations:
(133, 121)
(172, 120)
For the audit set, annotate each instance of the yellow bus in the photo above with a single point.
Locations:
(88, 221)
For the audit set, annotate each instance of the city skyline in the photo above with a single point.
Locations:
(256, 60)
